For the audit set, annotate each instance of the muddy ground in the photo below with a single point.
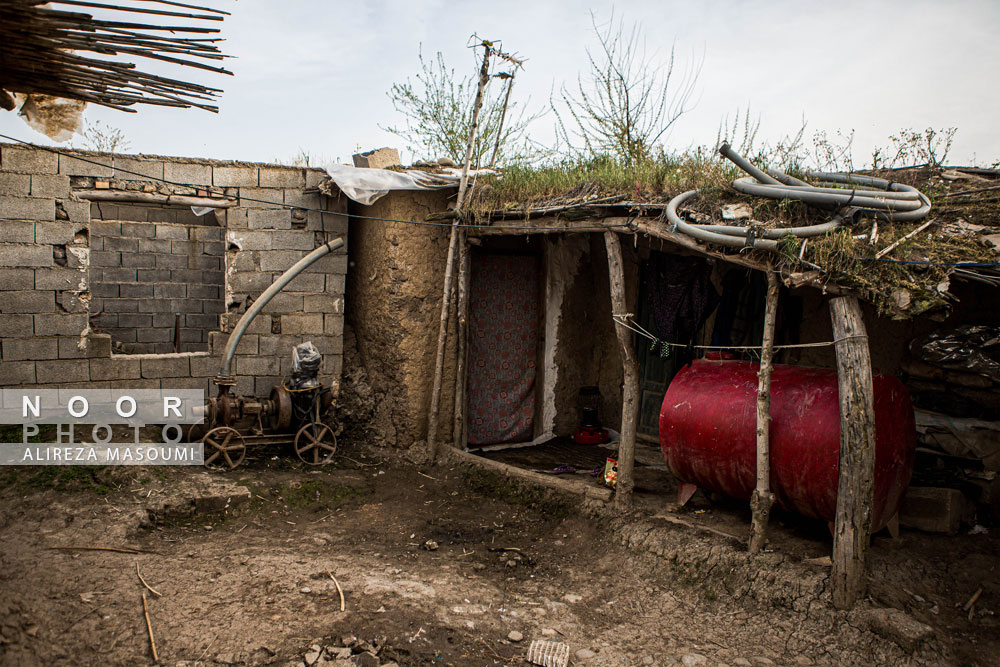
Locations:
(438, 565)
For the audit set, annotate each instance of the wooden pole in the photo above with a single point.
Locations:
(462, 338)
(762, 498)
(857, 453)
(463, 185)
(630, 389)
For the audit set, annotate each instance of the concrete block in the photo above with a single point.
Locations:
(60, 324)
(150, 275)
(166, 366)
(333, 325)
(182, 247)
(239, 177)
(63, 370)
(264, 218)
(28, 160)
(137, 290)
(17, 279)
(105, 228)
(58, 232)
(150, 169)
(77, 211)
(105, 259)
(24, 349)
(46, 185)
(377, 159)
(323, 303)
(314, 177)
(265, 198)
(170, 291)
(169, 261)
(59, 279)
(302, 323)
(282, 177)
(154, 336)
(114, 368)
(17, 185)
(121, 244)
(212, 292)
(898, 627)
(73, 302)
(17, 373)
(140, 260)
(932, 510)
(299, 198)
(139, 230)
(294, 240)
(329, 264)
(27, 208)
(27, 302)
(17, 231)
(139, 320)
(284, 302)
(95, 345)
(254, 365)
(187, 173)
(12, 326)
(154, 245)
(71, 166)
(335, 283)
(306, 282)
(173, 232)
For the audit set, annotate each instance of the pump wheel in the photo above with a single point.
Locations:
(224, 448)
(315, 444)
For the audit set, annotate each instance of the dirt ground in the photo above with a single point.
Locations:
(438, 565)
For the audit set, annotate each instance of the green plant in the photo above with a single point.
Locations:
(910, 148)
(98, 136)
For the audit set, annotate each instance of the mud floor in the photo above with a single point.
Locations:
(438, 566)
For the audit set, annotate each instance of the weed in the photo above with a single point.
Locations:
(503, 488)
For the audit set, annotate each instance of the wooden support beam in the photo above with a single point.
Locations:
(630, 389)
(128, 196)
(762, 498)
(462, 341)
(855, 490)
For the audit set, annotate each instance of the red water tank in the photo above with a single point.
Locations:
(708, 435)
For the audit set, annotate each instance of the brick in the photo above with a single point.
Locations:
(59, 279)
(329, 264)
(270, 219)
(78, 211)
(187, 173)
(235, 218)
(45, 185)
(167, 231)
(203, 366)
(187, 275)
(215, 248)
(97, 345)
(207, 233)
(165, 367)
(284, 302)
(139, 260)
(239, 177)
(58, 372)
(333, 325)
(170, 261)
(260, 198)
(104, 290)
(202, 320)
(141, 230)
(152, 169)
(279, 261)
(203, 292)
(184, 247)
(154, 245)
(77, 257)
(299, 198)
(121, 244)
(57, 233)
(27, 302)
(253, 283)
(243, 261)
(125, 305)
(264, 385)
(254, 365)
(215, 306)
(314, 177)
(154, 335)
(17, 231)
(329, 344)
(136, 290)
(27, 208)
(17, 279)
(71, 166)
(170, 291)
(18, 185)
(105, 259)
(152, 275)
(323, 303)
(205, 262)
(251, 240)
(23, 349)
(302, 323)
(60, 324)
(73, 302)
(932, 510)
(162, 215)
(136, 320)
(15, 373)
(115, 368)
(335, 283)
(28, 161)
(282, 178)
(105, 228)
(294, 240)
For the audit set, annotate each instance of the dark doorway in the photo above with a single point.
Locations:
(503, 347)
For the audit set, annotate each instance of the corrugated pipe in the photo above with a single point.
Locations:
(267, 295)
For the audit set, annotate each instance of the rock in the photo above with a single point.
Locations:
(338, 653)
(548, 632)
(446, 162)
(515, 636)
(584, 654)
(479, 567)
(377, 159)
(207, 527)
(366, 659)
(898, 627)
(348, 640)
(512, 563)
(741, 662)
(647, 660)
(572, 598)
(431, 545)
(761, 660)
(312, 655)
(305, 589)
(690, 659)
(803, 660)
(736, 211)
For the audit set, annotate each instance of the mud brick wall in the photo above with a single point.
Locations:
(64, 271)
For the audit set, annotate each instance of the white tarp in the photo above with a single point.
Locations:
(366, 186)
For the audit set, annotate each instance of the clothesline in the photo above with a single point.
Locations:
(623, 320)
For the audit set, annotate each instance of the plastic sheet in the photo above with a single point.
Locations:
(366, 186)
(970, 348)
(306, 360)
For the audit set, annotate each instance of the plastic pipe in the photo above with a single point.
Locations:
(267, 295)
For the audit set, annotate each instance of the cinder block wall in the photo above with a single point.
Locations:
(51, 277)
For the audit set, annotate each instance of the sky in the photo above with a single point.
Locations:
(313, 76)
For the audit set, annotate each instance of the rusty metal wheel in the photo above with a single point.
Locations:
(280, 416)
(315, 444)
(224, 448)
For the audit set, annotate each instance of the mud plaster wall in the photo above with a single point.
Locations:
(394, 305)
(46, 235)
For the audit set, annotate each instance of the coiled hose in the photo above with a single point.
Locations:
(877, 198)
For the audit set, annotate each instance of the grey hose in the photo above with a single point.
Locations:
(267, 295)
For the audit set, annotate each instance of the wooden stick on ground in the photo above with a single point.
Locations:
(149, 627)
(114, 549)
(855, 489)
(889, 248)
(762, 498)
(630, 389)
(340, 591)
(150, 588)
(463, 185)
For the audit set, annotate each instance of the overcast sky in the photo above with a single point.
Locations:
(313, 76)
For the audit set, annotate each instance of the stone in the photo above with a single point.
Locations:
(366, 659)
(377, 159)
(584, 654)
(647, 660)
(446, 162)
(736, 211)
(548, 632)
(572, 598)
(515, 636)
(689, 659)
(898, 627)
(803, 660)
(741, 662)
(305, 589)
(761, 660)
(312, 655)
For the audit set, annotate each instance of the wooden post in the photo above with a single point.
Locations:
(762, 498)
(857, 453)
(435, 402)
(630, 389)
(462, 338)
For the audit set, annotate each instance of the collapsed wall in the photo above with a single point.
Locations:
(101, 293)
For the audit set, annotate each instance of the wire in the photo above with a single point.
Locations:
(307, 208)
(967, 265)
